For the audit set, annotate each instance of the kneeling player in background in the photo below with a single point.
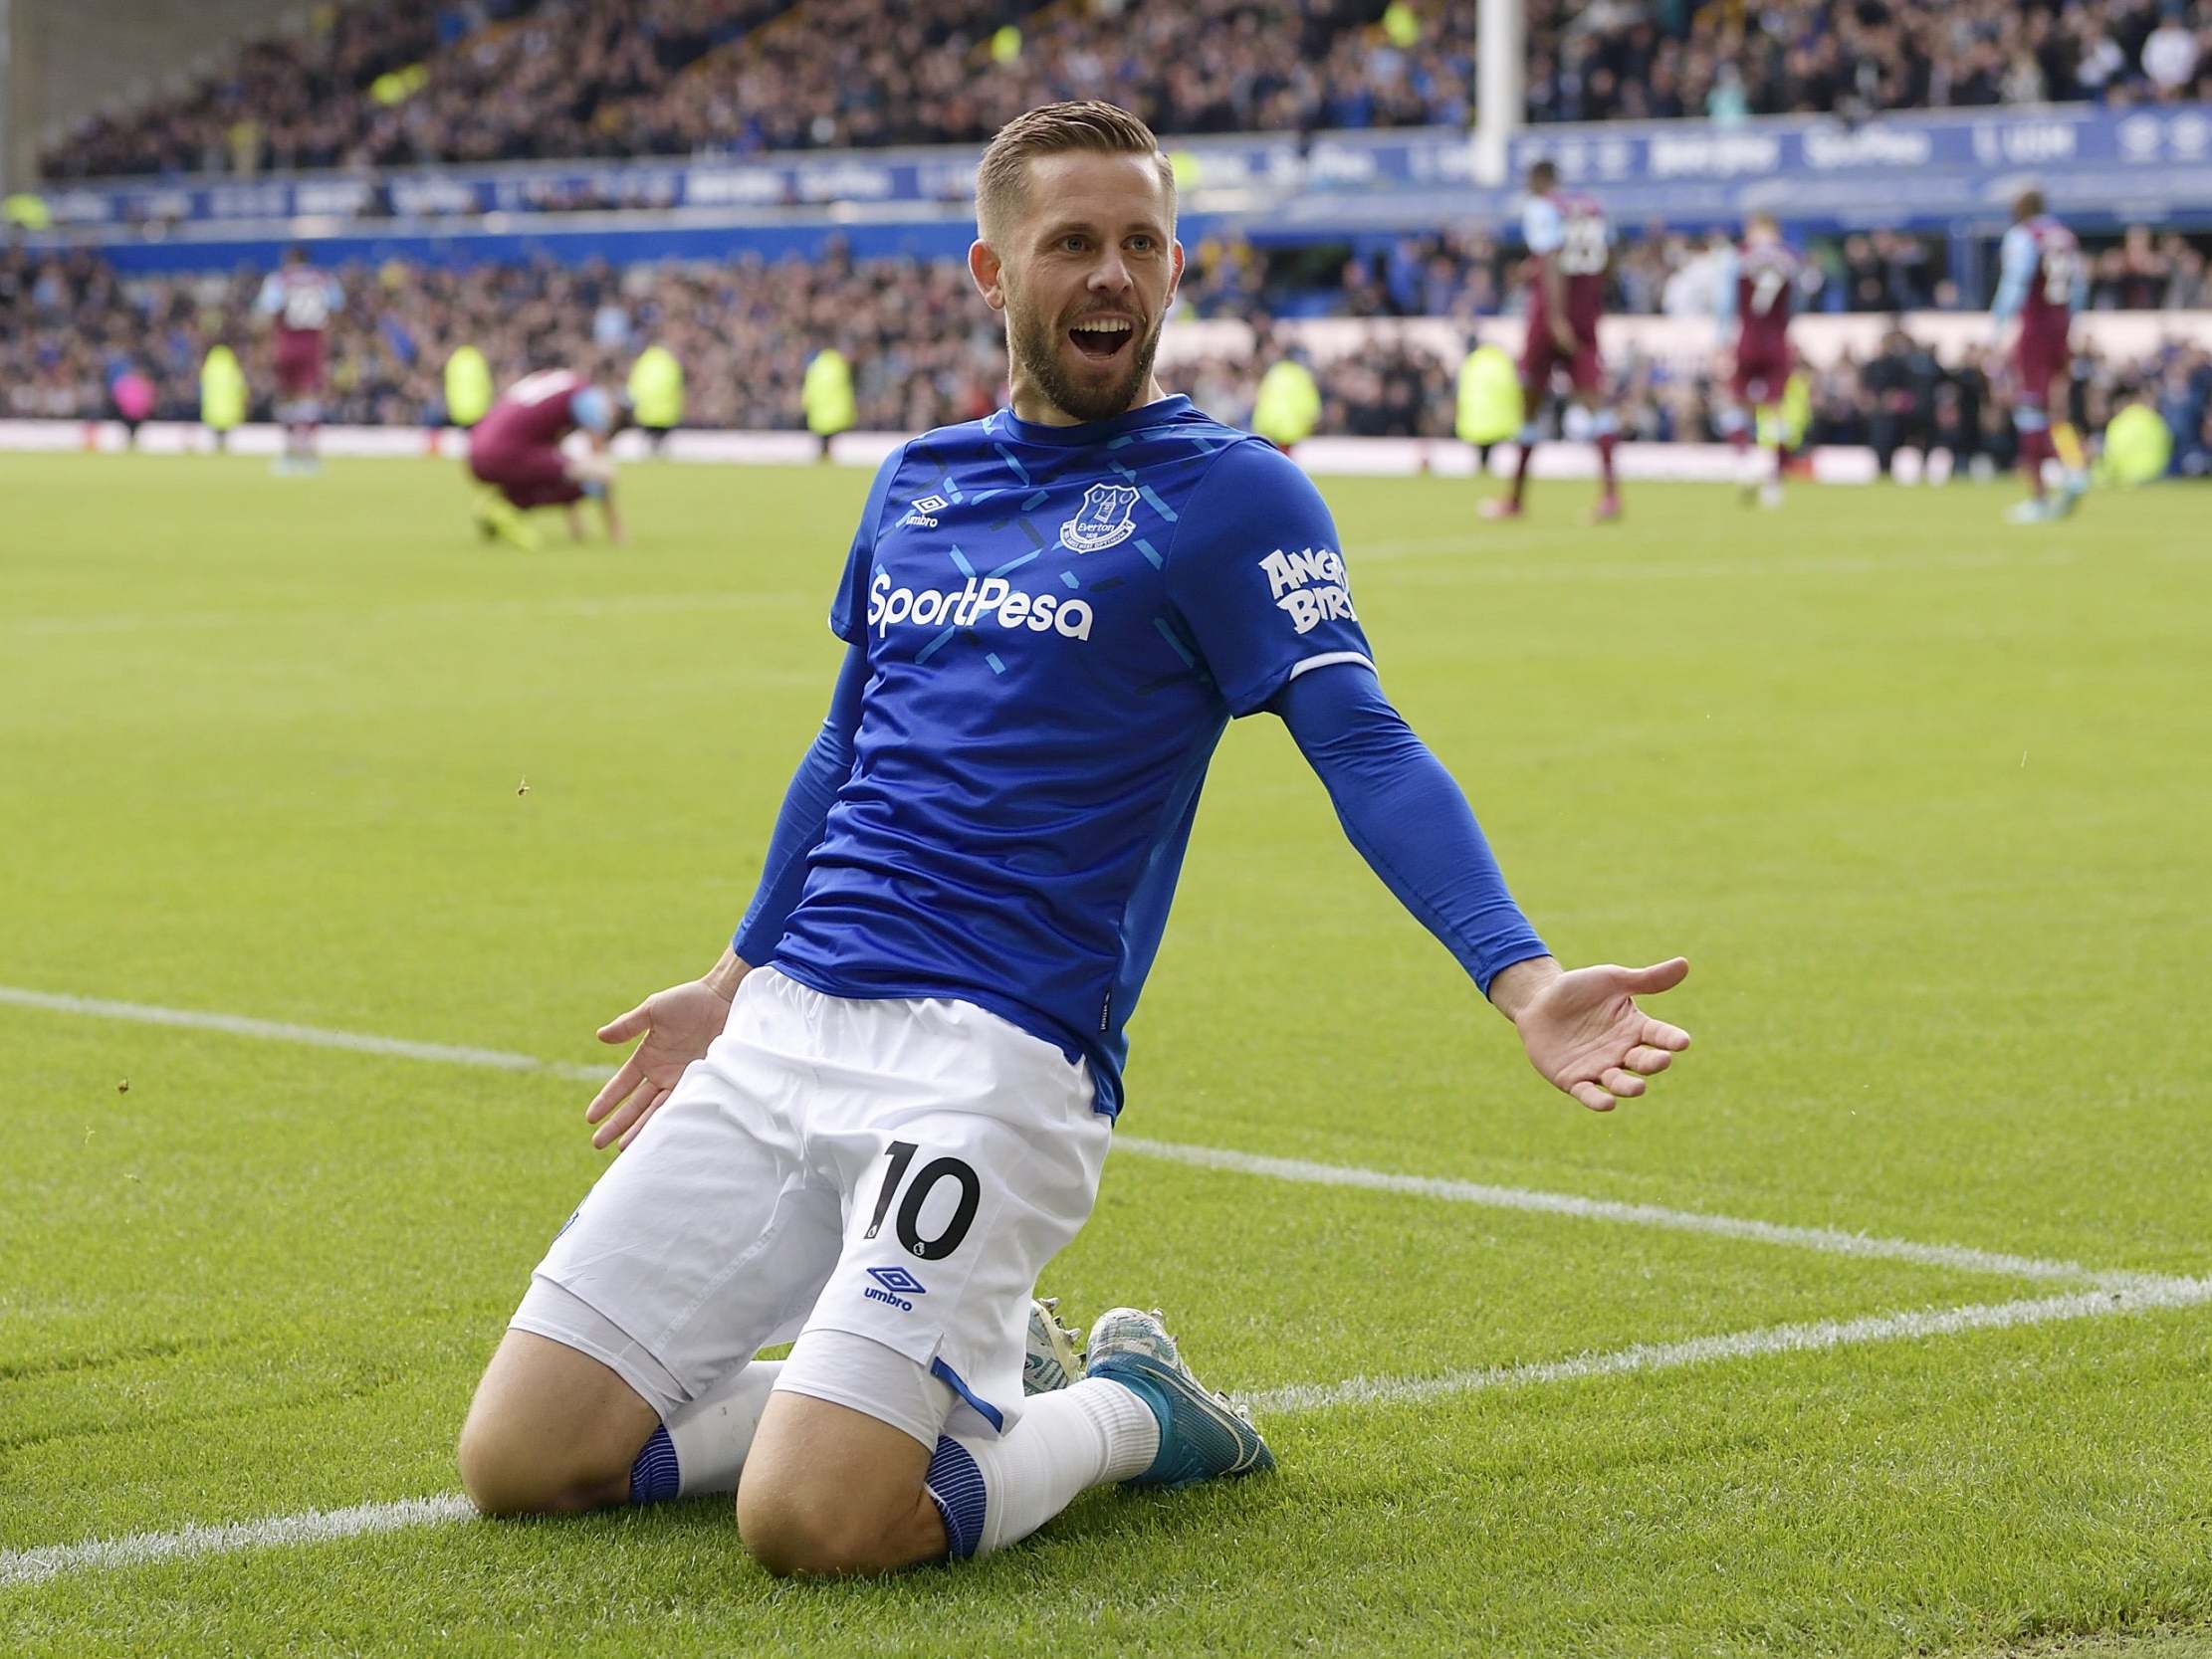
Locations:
(515, 451)
(2042, 281)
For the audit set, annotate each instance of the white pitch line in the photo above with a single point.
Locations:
(35, 1566)
(2144, 1294)
(32, 1566)
(1828, 1240)
(313, 1036)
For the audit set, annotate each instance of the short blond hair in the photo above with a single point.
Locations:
(1054, 129)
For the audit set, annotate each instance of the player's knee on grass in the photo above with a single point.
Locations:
(830, 1491)
(551, 1432)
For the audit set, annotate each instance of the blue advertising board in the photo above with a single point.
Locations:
(1949, 170)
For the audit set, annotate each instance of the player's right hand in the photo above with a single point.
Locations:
(678, 1025)
(1563, 335)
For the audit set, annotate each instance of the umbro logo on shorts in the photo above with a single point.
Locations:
(896, 1285)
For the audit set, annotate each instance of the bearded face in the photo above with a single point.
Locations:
(1091, 365)
(1085, 270)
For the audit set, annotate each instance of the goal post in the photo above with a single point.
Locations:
(1500, 83)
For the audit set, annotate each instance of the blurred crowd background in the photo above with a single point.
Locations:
(392, 82)
(373, 84)
(925, 351)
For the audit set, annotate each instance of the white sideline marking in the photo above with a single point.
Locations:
(1833, 1241)
(35, 1566)
(2143, 1294)
(31, 1566)
(314, 1036)
(1828, 1240)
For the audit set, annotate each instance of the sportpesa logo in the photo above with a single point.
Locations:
(992, 599)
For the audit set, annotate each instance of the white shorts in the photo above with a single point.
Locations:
(897, 1170)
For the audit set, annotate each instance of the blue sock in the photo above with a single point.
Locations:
(654, 1478)
(956, 1487)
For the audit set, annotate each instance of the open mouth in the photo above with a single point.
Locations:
(1102, 338)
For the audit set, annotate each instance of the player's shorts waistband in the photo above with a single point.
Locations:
(975, 1017)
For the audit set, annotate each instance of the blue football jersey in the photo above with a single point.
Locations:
(1059, 622)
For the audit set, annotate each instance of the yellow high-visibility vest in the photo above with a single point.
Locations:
(828, 394)
(1489, 397)
(468, 387)
(223, 393)
(657, 388)
(1288, 405)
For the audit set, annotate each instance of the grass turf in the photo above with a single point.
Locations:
(1920, 795)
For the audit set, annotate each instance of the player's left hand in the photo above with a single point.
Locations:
(1586, 1037)
(678, 1025)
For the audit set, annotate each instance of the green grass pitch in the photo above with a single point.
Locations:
(1923, 799)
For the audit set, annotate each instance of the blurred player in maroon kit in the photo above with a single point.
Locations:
(1758, 291)
(300, 301)
(1570, 247)
(2044, 278)
(515, 451)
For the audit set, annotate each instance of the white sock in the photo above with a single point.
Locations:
(993, 1492)
(701, 1447)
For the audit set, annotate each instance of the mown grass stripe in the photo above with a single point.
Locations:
(1812, 1338)
(1832, 1241)
(31, 1566)
(1828, 1240)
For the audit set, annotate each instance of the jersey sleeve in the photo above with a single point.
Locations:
(593, 410)
(1256, 575)
(1542, 226)
(848, 612)
(270, 299)
(2018, 261)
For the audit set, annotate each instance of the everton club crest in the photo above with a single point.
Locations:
(1102, 520)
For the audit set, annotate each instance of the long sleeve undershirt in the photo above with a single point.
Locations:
(1396, 803)
(822, 770)
(1407, 818)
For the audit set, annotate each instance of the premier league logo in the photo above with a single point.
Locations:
(1102, 520)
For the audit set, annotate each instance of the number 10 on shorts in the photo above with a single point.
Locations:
(909, 1221)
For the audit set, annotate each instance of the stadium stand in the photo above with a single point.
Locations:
(1621, 59)
(926, 353)
(427, 81)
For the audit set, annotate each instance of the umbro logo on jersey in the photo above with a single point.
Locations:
(922, 506)
(894, 1285)
(991, 599)
(1308, 586)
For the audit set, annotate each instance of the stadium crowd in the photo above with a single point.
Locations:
(1625, 59)
(1675, 274)
(430, 80)
(389, 83)
(924, 352)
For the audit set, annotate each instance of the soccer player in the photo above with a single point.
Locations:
(300, 301)
(1570, 248)
(516, 452)
(1758, 287)
(886, 1106)
(2043, 278)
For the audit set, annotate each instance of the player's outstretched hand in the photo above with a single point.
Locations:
(678, 1025)
(1586, 1037)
